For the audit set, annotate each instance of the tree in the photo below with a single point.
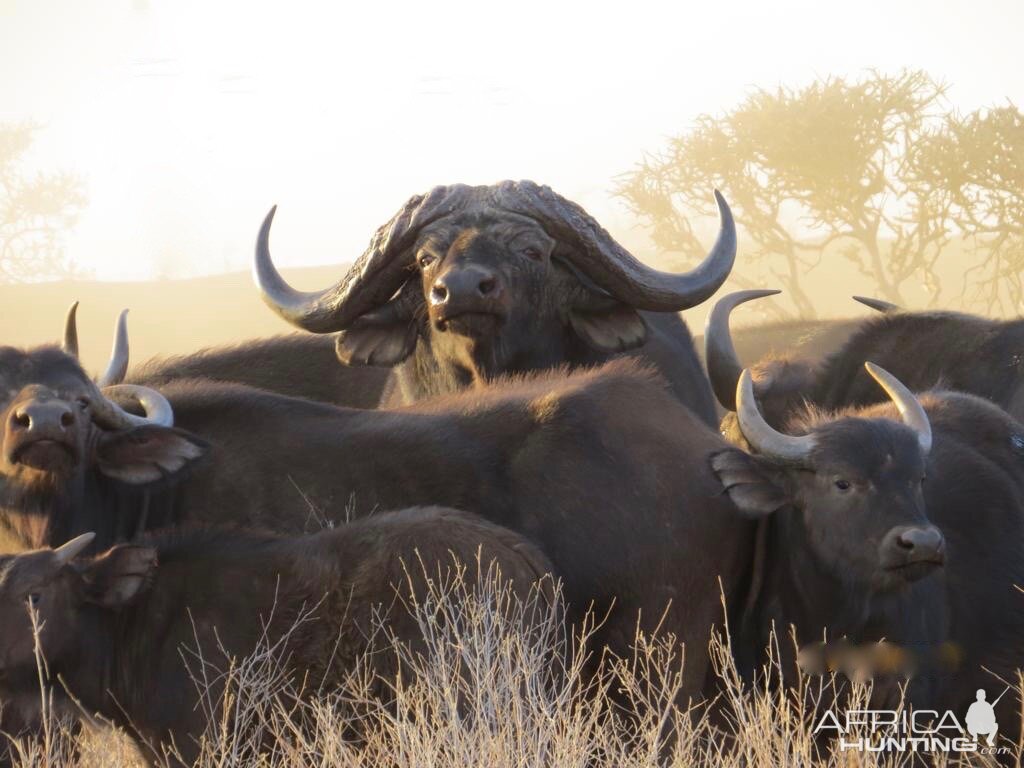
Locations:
(36, 212)
(812, 172)
(977, 161)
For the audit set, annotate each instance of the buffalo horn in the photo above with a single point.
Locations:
(68, 551)
(70, 345)
(384, 266)
(762, 437)
(723, 364)
(910, 407)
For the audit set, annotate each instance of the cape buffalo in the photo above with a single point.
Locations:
(855, 543)
(951, 350)
(117, 628)
(465, 284)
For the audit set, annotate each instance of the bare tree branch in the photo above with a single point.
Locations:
(36, 213)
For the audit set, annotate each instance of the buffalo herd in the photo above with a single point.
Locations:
(506, 382)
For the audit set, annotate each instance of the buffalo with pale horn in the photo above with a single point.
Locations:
(466, 283)
(54, 423)
(852, 540)
(843, 525)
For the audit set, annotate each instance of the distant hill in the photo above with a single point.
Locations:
(166, 317)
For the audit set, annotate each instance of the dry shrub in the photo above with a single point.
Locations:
(498, 682)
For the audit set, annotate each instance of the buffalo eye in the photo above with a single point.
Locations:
(842, 485)
(84, 403)
(426, 260)
(533, 253)
(33, 599)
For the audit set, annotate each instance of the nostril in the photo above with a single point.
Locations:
(439, 293)
(67, 419)
(905, 543)
(487, 286)
(22, 420)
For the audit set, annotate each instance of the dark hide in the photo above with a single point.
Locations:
(119, 628)
(297, 365)
(603, 469)
(974, 493)
(812, 340)
(669, 347)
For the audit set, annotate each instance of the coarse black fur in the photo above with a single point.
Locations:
(297, 365)
(122, 630)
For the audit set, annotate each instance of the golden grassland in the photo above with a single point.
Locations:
(497, 682)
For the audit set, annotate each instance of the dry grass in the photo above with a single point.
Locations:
(499, 682)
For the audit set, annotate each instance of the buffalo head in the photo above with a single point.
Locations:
(849, 488)
(61, 592)
(481, 274)
(56, 423)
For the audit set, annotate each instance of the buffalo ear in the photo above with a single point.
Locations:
(614, 328)
(119, 575)
(149, 453)
(386, 336)
(754, 486)
(376, 342)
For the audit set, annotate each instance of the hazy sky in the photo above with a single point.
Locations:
(189, 119)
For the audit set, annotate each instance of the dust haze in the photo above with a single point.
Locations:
(137, 160)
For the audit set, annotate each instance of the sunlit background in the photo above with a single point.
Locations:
(187, 120)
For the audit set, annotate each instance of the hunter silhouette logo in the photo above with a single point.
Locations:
(919, 730)
(981, 718)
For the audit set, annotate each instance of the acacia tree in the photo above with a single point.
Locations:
(977, 160)
(810, 172)
(36, 212)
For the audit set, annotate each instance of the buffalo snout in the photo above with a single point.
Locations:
(473, 289)
(40, 433)
(913, 550)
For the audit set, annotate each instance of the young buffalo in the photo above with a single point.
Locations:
(854, 542)
(118, 628)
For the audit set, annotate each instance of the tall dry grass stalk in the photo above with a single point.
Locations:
(497, 682)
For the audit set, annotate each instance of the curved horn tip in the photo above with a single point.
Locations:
(749, 294)
(313, 311)
(720, 357)
(879, 305)
(70, 344)
(117, 368)
(725, 212)
(906, 402)
(67, 551)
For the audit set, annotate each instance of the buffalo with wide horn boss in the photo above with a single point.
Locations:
(466, 283)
